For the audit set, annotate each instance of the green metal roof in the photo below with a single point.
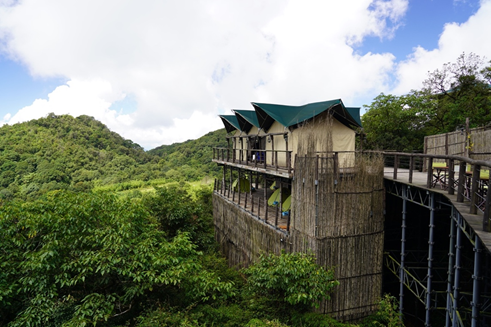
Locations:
(230, 122)
(246, 119)
(288, 116)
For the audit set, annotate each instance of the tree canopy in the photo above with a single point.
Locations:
(449, 95)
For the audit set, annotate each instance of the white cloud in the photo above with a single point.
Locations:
(455, 39)
(185, 62)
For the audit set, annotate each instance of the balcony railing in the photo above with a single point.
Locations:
(267, 159)
(256, 203)
(465, 177)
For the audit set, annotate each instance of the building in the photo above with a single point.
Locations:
(292, 181)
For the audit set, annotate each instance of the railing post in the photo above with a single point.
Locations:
(265, 155)
(411, 168)
(451, 176)
(429, 177)
(276, 160)
(474, 184)
(265, 202)
(335, 168)
(396, 165)
(461, 184)
(486, 226)
(289, 161)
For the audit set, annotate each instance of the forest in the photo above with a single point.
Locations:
(96, 231)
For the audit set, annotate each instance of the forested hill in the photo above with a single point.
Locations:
(191, 160)
(78, 154)
(62, 152)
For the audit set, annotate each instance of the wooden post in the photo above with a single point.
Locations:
(411, 168)
(396, 164)
(466, 142)
(224, 175)
(272, 149)
(335, 168)
(474, 184)
(234, 151)
(265, 202)
(429, 175)
(446, 144)
(425, 152)
(462, 181)
(451, 176)
(238, 185)
(276, 160)
(289, 161)
(486, 226)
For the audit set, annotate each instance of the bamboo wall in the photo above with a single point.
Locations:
(340, 218)
(454, 143)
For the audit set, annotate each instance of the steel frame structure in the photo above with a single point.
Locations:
(461, 308)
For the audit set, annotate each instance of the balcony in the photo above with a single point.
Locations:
(273, 162)
(257, 202)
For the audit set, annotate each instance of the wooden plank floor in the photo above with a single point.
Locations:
(419, 180)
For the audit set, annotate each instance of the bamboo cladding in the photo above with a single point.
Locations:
(478, 144)
(330, 203)
(337, 214)
(242, 238)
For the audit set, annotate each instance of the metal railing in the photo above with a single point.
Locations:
(469, 183)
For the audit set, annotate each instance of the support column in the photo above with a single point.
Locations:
(431, 242)
(403, 250)
(450, 271)
(458, 260)
(477, 277)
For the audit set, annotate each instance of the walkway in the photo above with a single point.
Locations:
(419, 180)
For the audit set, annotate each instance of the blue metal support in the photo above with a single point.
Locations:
(450, 272)
(476, 291)
(431, 242)
(458, 263)
(403, 251)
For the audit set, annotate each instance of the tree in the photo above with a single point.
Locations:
(291, 279)
(80, 259)
(461, 89)
(396, 122)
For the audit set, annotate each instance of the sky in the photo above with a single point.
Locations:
(159, 72)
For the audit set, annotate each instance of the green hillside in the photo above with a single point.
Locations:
(191, 160)
(78, 154)
(62, 152)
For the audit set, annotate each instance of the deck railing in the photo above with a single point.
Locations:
(468, 177)
(267, 159)
(464, 177)
(256, 204)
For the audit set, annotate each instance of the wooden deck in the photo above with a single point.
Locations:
(420, 179)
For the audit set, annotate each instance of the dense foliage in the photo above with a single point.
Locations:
(80, 154)
(191, 160)
(451, 94)
(81, 259)
(62, 152)
(292, 278)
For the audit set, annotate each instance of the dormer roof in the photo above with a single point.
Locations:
(289, 116)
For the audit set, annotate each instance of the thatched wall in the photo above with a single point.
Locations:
(242, 238)
(340, 218)
(454, 143)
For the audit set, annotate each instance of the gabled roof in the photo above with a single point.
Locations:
(246, 119)
(230, 122)
(288, 116)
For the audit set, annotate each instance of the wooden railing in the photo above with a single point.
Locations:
(267, 159)
(469, 184)
(256, 204)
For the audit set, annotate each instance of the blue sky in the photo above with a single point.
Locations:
(161, 73)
